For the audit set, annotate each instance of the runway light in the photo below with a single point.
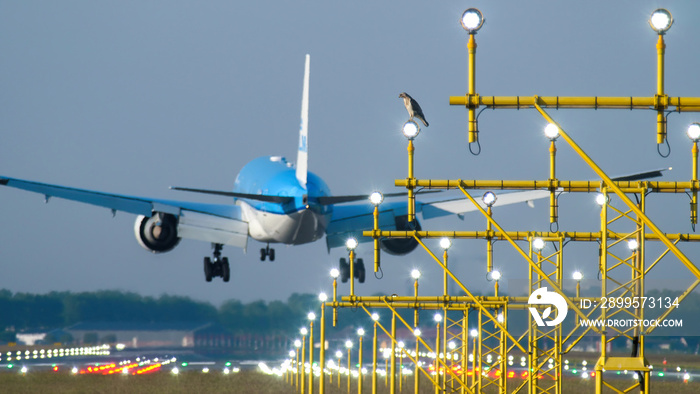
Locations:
(633, 244)
(445, 243)
(577, 275)
(601, 199)
(661, 20)
(410, 130)
(376, 198)
(351, 243)
(538, 244)
(415, 274)
(472, 20)
(694, 132)
(335, 273)
(489, 198)
(551, 131)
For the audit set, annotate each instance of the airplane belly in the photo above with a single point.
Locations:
(292, 229)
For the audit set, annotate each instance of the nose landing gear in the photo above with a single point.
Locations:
(267, 252)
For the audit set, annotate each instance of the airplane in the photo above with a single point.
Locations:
(274, 201)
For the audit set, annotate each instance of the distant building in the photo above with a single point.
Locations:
(30, 338)
(143, 334)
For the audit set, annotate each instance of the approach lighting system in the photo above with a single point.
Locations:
(494, 275)
(445, 243)
(661, 20)
(577, 275)
(538, 244)
(437, 317)
(415, 274)
(474, 333)
(360, 331)
(335, 273)
(348, 344)
(303, 331)
(338, 354)
(376, 198)
(551, 131)
(351, 243)
(311, 316)
(323, 297)
(375, 316)
(410, 130)
(417, 332)
(297, 343)
(694, 132)
(472, 20)
(489, 198)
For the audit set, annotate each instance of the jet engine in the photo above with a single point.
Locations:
(157, 233)
(401, 246)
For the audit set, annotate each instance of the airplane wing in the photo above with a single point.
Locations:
(351, 220)
(216, 223)
(460, 206)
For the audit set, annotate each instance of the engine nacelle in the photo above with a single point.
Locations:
(401, 246)
(157, 233)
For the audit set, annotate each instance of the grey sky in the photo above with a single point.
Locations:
(134, 96)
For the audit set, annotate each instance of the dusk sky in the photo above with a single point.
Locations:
(132, 97)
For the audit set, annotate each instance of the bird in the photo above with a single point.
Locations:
(413, 108)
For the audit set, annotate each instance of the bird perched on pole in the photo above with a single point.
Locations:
(414, 110)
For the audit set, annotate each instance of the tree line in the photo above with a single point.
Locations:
(22, 311)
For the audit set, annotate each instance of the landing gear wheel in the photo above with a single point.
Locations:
(225, 269)
(360, 270)
(267, 252)
(344, 268)
(208, 269)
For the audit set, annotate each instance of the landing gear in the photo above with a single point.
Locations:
(360, 270)
(267, 252)
(344, 268)
(219, 266)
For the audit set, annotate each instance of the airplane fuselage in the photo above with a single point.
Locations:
(299, 221)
